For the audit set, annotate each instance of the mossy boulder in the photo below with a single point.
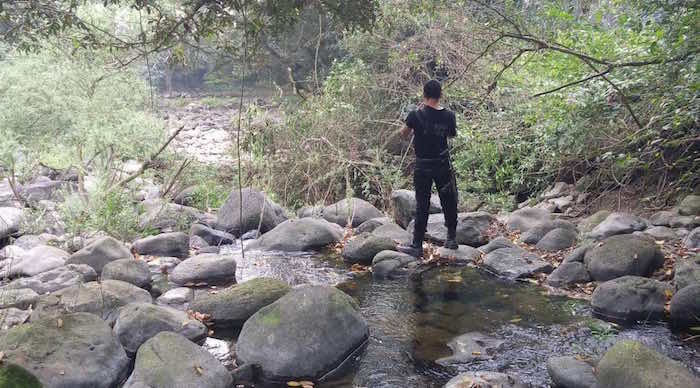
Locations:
(689, 206)
(14, 376)
(307, 334)
(631, 364)
(232, 306)
(623, 255)
(170, 360)
(72, 350)
(364, 247)
(630, 298)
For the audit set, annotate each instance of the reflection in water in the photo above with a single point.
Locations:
(412, 321)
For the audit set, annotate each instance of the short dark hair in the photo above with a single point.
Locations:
(432, 89)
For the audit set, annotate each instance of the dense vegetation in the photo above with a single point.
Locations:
(599, 93)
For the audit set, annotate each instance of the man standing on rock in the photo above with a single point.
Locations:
(431, 125)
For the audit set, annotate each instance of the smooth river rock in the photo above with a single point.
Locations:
(255, 205)
(297, 235)
(617, 223)
(134, 271)
(685, 307)
(515, 263)
(100, 252)
(623, 255)
(354, 209)
(630, 298)
(362, 248)
(174, 244)
(56, 279)
(206, 268)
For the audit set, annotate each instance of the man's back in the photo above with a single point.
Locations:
(431, 128)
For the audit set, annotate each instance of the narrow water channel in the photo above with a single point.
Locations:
(411, 322)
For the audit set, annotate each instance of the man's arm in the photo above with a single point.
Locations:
(406, 131)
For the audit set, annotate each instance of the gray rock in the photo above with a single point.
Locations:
(179, 297)
(462, 255)
(662, 233)
(255, 204)
(662, 218)
(103, 299)
(362, 248)
(386, 268)
(134, 271)
(77, 351)
(497, 243)
(687, 222)
(631, 364)
(212, 236)
(56, 279)
(44, 189)
(535, 234)
(689, 206)
(403, 206)
(402, 258)
(485, 380)
(174, 244)
(310, 211)
(139, 322)
(162, 265)
(360, 211)
(569, 372)
(568, 273)
(370, 225)
(186, 196)
(617, 223)
(692, 240)
(206, 268)
(577, 254)
(559, 189)
(630, 298)
(21, 298)
(526, 218)
(299, 235)
(557, 239)
(472, 228)
(588, 224)
(39, 259)
(232, 306)
(29, 241)
(515, 263)
(435, 229)
(279, 336)
(393, 232)
(170, 360)
(685, 307)
(100, 252)
(687, 272)
(473, 346)
(623, 255)
(168, 217)
(12, 317)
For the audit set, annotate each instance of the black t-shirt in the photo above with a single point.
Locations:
(431, 128)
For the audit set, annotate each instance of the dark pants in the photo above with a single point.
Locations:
(426, 172)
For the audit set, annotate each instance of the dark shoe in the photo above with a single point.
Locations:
(450, 243)
(410, 250)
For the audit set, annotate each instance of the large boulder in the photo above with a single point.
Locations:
(370, 225)
(10, 221)
(169, 360)
(205, 269)
(690, 206)
(617, 223)
(307, 333)
(39, 259)
(387, 264)
(44, 189)
(692, 240)
(485, 380)
(168, 217)
(568, 273)
(527, 218)
(362, 248)
(56, 279)
(232, 306)
(685, 307)
(687, 272)
(358, 210)
(212, 236)
(134, 271)
(631, 364)
(101, 298)
(300, 235)
(100, 252)
(464, 254)
(73, 350)
(587, 224)
(255, 205)
(20, 298)
(138, 322)
(557, 239)
(570, 372)
(535, 233)
(469, 347)
(403, 206)
(623, 255)
(515, 263)
(178, 297)
(174, 244)
(393, 232)
(629, 299)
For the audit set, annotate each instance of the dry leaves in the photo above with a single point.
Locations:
(198, 370)
(201, 317)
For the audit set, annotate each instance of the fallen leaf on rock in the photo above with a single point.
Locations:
(303, 383)
(515, 320)
(59, 323)
(62, 372)
(293, 384)
(2, 355)
(475, 353)
(199, 370)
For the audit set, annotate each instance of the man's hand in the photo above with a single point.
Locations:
(406, 132)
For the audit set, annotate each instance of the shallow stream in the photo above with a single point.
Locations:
(411, 321)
